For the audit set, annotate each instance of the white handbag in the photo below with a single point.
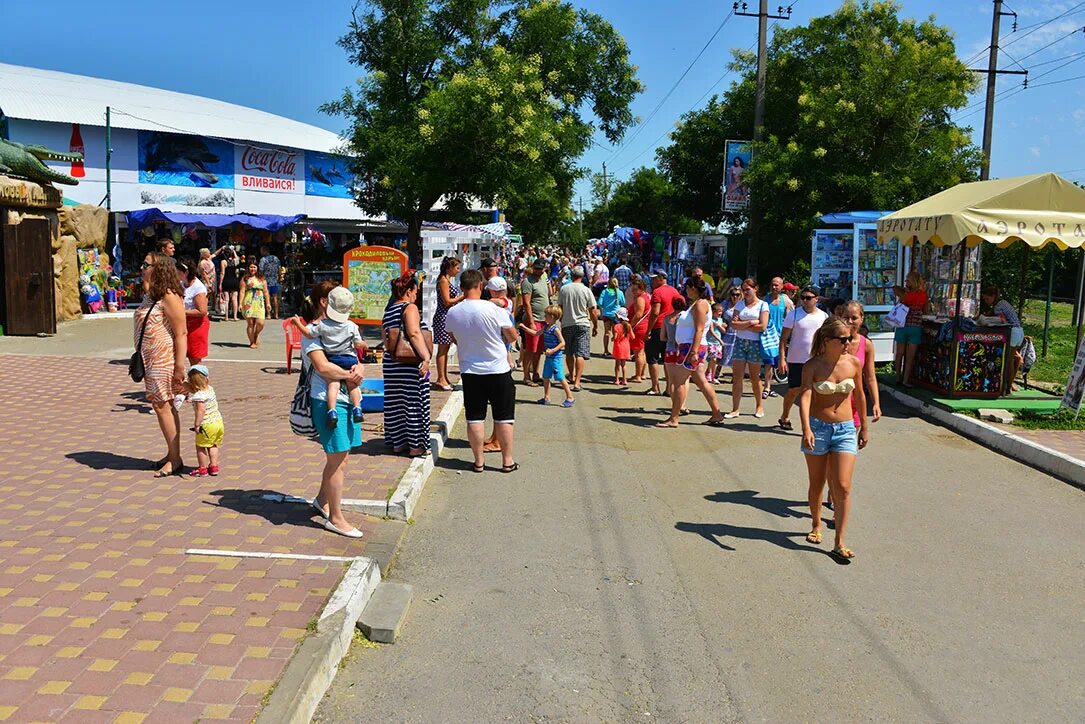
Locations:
(897, 317)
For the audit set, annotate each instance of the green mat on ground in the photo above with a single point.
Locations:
(1030, 399)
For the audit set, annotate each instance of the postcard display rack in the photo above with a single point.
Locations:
(851, 263)
(941, 268)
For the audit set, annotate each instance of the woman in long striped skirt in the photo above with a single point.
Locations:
(406, 386)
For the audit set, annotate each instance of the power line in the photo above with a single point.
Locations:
(1057, 82)
(1045, 23)
(659, 105)
(696, 103)
(1057, 40)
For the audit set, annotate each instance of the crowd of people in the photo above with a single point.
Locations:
(660, 336)
(234, 285)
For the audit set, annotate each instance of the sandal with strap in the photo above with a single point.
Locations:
(510, 468)
(814, 537)
(478, 468)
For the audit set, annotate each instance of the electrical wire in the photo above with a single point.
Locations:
(659, 105)
(1044, 24)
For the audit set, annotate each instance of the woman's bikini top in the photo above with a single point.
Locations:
(826, 387)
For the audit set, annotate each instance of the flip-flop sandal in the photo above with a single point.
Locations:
(684, 412)
(510, 468)
(814, 537)
(442, 388)
(666, 425)
(714, 423)
(167, 473)
(528, 383)
(478, 468)
(843, 554)
(784, 424)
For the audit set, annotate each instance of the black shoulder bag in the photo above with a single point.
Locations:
(136, 369)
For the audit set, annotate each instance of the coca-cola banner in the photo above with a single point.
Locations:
(262, 168)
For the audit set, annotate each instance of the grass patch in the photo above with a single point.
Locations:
(1062, 338)
(1064, 419)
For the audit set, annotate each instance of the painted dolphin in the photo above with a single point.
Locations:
(329, 178)
(168, 152)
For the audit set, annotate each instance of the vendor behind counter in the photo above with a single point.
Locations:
(1003, 311)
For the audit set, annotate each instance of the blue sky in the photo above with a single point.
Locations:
(280, 56)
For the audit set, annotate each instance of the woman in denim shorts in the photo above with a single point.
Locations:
(751, 317)
(830, 440)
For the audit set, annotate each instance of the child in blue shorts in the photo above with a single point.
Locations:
(554, 361)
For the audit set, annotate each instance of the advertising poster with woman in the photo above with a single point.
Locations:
(736, 194)
(1075, 386)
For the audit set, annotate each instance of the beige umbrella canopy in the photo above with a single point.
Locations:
(1039, 209)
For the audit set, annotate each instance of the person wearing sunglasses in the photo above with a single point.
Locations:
(796, 342)
(830, 440)
(730, 300)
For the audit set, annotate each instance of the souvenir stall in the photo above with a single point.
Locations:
(245, 233)
(847, 261)
(960, 356)
(673, 252)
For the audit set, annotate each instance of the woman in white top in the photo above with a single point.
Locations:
(199, 324)
(691, 334)
(751, 318)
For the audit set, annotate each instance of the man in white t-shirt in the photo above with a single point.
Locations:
(480, 331)
(796, 341)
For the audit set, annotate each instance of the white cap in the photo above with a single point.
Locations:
(340, 303)
(497, 284)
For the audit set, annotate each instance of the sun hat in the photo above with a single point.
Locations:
(622, 314)
(487, 263)
(202, 369)
(539, 264)
(658, 273)
(497, 284)
(789, 287)
(340, 302)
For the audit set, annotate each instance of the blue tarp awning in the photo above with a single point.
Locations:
(267, 222)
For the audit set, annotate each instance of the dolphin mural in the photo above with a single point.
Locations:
(181, 160)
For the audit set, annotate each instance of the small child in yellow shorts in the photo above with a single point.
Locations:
(208, 425)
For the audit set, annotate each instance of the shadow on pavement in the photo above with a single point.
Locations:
(231, 345)
(714, 532)
(282, 511)
(775, 506)
(100, 460)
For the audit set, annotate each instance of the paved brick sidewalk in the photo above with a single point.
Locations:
(103, 617)
(1068, 442)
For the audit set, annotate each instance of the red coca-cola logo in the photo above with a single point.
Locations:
(279, 163)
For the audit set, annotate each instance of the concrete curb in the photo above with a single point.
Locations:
(314, 665)
(405, 497)
(1052, 462)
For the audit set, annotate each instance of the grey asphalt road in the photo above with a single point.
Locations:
(633, 574)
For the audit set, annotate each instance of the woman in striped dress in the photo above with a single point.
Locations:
(406, 386)
(163, 349)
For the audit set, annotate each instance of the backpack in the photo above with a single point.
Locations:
(301, 407)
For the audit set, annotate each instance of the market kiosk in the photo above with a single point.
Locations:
(959, 356)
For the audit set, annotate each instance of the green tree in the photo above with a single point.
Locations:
(858, 116)
(480, 99)
(648, 201)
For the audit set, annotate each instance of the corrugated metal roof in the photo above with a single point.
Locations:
(49, 95)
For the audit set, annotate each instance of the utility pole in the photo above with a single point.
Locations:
(993, 72)
(580, 200)
(763, 18)
(606, 188)
(108, 162)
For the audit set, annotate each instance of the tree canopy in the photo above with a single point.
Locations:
(647, 200)
(858, 116)
(480, 99)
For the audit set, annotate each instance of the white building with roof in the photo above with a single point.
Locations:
(178, 152)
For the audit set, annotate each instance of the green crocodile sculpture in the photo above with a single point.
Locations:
(26, 162)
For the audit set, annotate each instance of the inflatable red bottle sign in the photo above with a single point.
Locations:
(76, 146)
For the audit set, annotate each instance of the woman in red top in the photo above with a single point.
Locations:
(640, 305)
(914, 296)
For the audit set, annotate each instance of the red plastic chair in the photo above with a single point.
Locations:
(293, 342)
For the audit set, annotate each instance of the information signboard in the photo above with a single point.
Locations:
(368, 272)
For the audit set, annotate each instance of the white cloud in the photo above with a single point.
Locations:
(1035, 150)
(1079, 114)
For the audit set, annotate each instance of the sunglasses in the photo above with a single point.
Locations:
(807, 297)
(843, 340)
(145, 265)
